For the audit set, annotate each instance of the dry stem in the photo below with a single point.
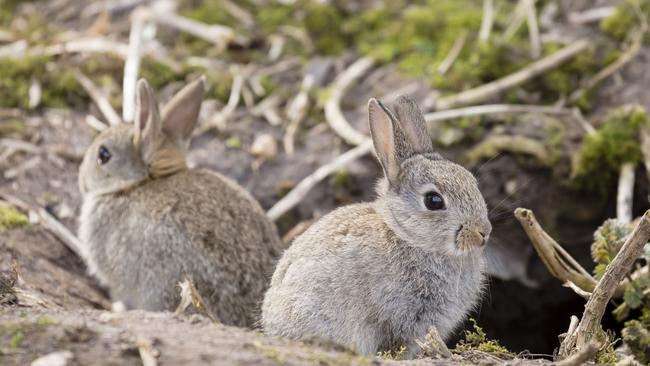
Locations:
(300, 191)
(333, 113)
(607, 286)
(582, 356)
(100, 100)
(492, 109)
(625, 192)
(493, 88)
(533, 29)
(132, 64)
(487, 21)
(453, 54)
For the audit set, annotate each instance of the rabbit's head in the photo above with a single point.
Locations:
(154, 145)
(429, 201)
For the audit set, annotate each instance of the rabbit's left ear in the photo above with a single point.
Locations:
(413, 125)
(180, 115)
(147, 135)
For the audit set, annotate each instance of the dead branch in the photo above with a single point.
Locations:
(533, 29)
(300, 191)
(20, 145)
(100, 100)
(221, 118)
(607, 286)
(582, 356)
(558, 262)
(433, 345)
(492, 145)
(453, 54)
(610, 69)
(26, 165)
(487, 21)
(146, 351)
(191, 296)
(591, 15)
(518, 18)
(48, 221)
(95, 123)
(580, 292)
(333, 113)
(139, 20)
(296, 110)
(492, 109)
(625, 193)
(535, 69)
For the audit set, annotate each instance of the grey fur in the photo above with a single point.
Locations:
(143, 233)
(376, 276)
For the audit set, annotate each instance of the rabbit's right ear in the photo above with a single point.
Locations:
(147, 122)
(180, 115)
(382, 131)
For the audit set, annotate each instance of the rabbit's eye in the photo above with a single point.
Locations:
(103, 155)
(433, 201)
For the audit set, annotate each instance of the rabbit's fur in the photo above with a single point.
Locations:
(147, 222)
(377, 276)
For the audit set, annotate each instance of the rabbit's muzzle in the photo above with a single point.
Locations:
(469, 237)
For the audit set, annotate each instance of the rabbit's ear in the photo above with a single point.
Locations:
(147, 122)
(413, 125)
(382, 130)
(179, 116)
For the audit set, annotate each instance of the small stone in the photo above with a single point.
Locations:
(59, 358)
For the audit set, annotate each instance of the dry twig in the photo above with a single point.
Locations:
(645, 148)
(333, 113)
(100, 100)
(492, 109)
(533, 29)
(537, 68)
(616, 271)
(487, 21)
(48, 221)
(146, 351)
(139, 20)
(191, 296)
(582, 356)
(625, 192)
(300, 191)
(453, 54)
(296, 110)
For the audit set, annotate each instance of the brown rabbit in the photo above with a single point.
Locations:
(148, 221)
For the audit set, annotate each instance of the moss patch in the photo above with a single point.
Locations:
(11, 218)
(476, 340)
(597, 163)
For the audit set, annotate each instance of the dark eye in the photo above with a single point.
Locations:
(103, 155)
(433, 201)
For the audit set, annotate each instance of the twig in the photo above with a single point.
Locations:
(191, 296)
(333, 113)
(533, 29)
(94, 123)
(558, 262)
(23, 167)
(492, 109)
(296, 110)
(608, 284)
(582, 293)
(100, 100)
(518, 19)
(609, 69)
(48, 221)
(219, 35)
(591, 15)
(146, 351)
(537, 68)
(625, 192)
(492, 145)
(221, 118)
(433, 345)
(132, 64)
(453, 54)
(582, 356)
(299, 191)
(20, 145)
(487, 21)
(239, 13)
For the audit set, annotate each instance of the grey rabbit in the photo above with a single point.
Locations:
(148, 222)
(377, 276)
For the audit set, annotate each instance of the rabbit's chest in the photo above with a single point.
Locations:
(441, 294)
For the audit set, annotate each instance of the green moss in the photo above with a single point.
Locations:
(233, 142)
(157, 74)
(45, 321)
(602, 153)
(608, 240)
(16, 340)
(607, 353)
(636, 335)
(476, 339)
(58, 85)
(625, 18)
(398, 355)
(341, 178)
(11, 218)
(269, 352)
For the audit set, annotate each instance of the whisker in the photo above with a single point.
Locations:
(482, 166)
(512, 194)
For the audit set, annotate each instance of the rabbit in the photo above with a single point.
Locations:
(148, 222)
(378, 276)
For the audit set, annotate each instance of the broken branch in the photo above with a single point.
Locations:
(100, 100)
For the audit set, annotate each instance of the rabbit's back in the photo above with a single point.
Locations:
(194, 224)
(351, 279)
